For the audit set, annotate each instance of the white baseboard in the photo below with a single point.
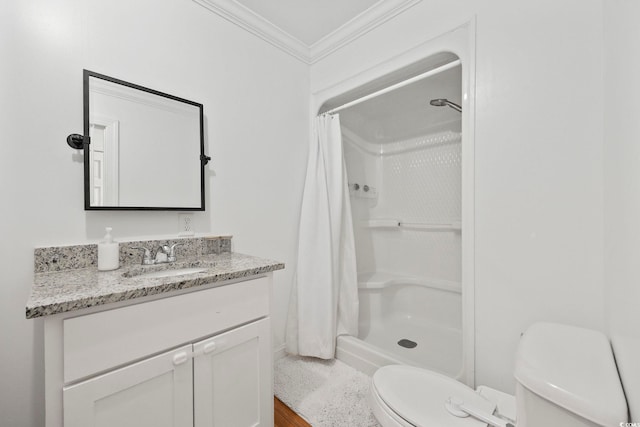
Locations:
(279, 352)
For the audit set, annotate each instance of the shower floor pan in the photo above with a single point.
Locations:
(438, 348)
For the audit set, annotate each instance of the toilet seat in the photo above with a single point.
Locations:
(408, 396)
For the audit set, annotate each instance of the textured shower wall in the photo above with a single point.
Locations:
(422, 179)
(421, 185)
(418, 181)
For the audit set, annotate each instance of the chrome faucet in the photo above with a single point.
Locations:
(164, 254)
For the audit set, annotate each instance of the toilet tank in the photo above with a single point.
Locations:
(566, 376)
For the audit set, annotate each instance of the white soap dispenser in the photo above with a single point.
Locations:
(108, 253)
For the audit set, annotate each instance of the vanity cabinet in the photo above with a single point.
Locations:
(199, 358)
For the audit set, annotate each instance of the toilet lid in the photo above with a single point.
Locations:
(419, 396)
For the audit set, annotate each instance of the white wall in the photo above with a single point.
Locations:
(538, 158)
(256, 107)
(622, 190)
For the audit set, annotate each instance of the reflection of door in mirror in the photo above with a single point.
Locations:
(104, 160)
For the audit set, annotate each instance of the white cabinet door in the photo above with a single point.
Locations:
(232, 378)
(156, 392)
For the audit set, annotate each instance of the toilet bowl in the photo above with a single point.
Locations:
(408, 396)
(566, 376)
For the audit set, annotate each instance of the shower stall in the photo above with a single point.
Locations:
(403, 153)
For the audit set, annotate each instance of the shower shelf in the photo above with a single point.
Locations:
(381, 280)
(396, 223)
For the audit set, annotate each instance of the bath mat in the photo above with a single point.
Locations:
(326, 393)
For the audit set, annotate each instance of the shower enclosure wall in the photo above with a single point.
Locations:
(403, 158)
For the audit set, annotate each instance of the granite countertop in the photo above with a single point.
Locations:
(69, 290)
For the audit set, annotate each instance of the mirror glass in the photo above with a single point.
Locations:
(145, 148)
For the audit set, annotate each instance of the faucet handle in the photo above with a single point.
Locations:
(146, 257)
(172, 251)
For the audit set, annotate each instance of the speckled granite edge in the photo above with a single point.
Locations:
(69, 290)
(62, 258)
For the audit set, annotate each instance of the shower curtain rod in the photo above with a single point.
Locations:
(396, 86)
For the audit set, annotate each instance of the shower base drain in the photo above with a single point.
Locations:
(407, 343)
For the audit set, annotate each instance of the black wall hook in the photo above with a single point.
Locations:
(75, 141)
(204, 159)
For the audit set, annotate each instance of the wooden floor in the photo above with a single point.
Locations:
(285, 417)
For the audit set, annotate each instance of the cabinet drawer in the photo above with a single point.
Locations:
(101, 341)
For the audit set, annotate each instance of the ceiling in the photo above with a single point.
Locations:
(308, 20)
(405, 112)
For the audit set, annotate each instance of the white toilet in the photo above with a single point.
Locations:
(566, 377)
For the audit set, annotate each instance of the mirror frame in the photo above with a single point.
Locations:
(87, 140)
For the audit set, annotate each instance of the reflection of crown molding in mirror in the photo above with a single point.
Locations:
(143, 98)
(355, 28)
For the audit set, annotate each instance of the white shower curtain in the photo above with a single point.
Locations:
(324, 297)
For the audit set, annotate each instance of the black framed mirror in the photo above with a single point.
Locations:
(143, 149)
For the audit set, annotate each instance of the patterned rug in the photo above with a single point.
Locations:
(326, 393)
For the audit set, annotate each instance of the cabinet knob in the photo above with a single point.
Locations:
(209, 347)
(180, 358)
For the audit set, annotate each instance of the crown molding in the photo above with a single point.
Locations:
(357, 27)
(250, 21)
(247, 19)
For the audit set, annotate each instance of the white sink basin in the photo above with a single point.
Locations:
(174, 272)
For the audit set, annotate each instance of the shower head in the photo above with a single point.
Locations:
(442, 102)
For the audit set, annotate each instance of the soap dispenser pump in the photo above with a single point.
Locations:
(108, 252)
